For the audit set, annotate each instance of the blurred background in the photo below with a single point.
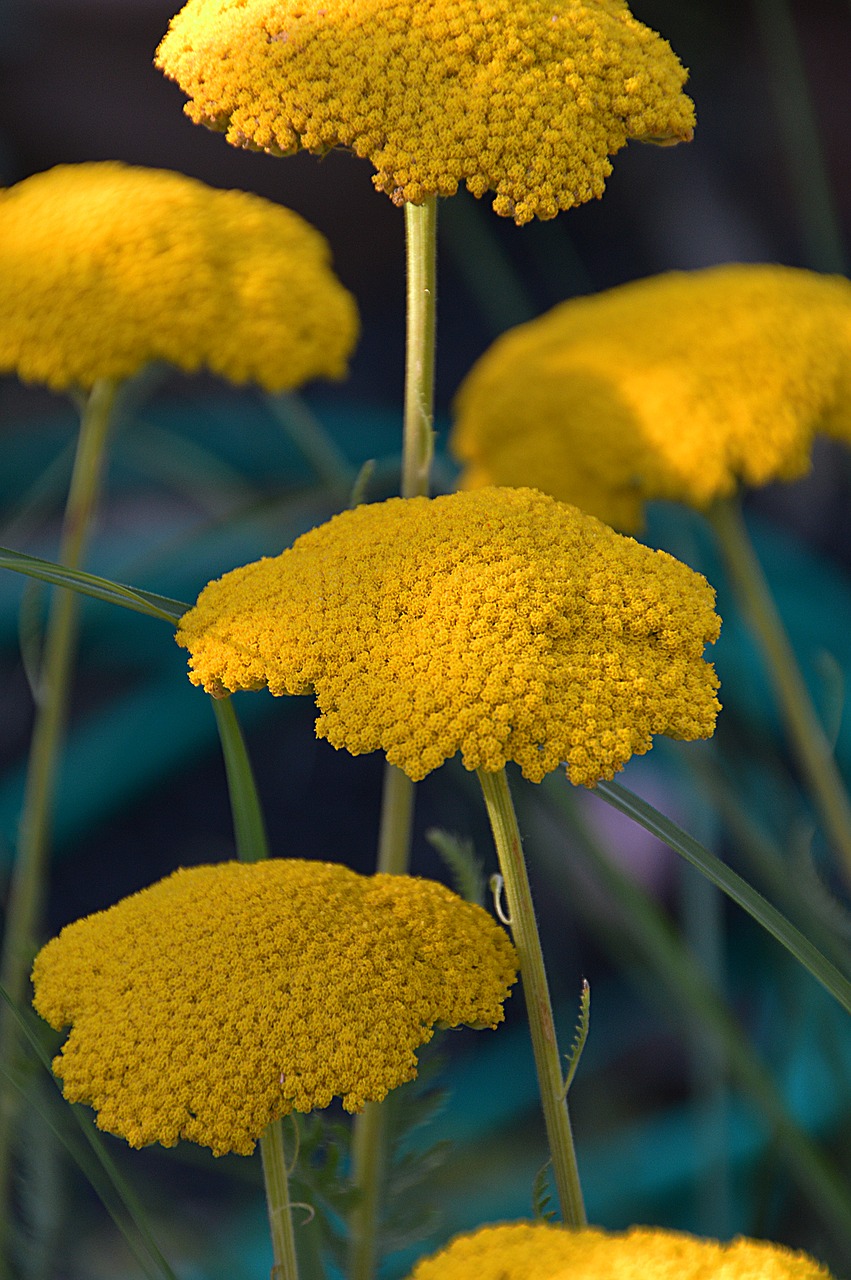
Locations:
(692, 1007)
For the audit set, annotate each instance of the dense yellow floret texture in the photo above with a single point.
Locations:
(538, 1251)
(105, 267)
(525, 98)
(227, 996)
(498, 623)
(684, 386)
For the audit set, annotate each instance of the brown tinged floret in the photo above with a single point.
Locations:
(498, 623)
(539, 1251)
(684, 386)
(227, 996)
(104, 267)
(525, 98)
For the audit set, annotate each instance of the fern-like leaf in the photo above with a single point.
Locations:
(580, 1036)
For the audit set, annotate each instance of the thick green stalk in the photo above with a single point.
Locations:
(538, 1005)
(26, 892)
(397, 805)
(807, 738)
(278, 1201)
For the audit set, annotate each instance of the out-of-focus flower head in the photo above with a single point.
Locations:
(683, 386)
(105, 267)
(538, 1251)
(525, 98)
(499, 623)
(227, 996)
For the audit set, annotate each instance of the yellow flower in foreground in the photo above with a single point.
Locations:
(499, 623)
(104, 267)
(537, 1251)
(227, 996)
(526, 98)
(682, 386)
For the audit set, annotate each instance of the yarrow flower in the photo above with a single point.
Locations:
(227, 996)
(104, 267)
(538, 1251)
(526, 98)
(498, 623)
(683, 386)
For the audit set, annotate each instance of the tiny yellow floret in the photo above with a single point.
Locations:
(538, 1251)
(684, 386)
(105, 267)
(525, 98)
(498, 623)
(227, 996)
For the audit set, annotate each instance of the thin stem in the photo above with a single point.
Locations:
(421, 245)
(394, 838)
(807, 737)
(397, 803)
(524, 928)
(276, 1181)
(26, 892)
(368, 1159)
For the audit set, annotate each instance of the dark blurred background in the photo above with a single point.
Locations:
(203, 478)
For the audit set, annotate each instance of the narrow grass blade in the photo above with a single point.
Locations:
(248, 822)
(89, 584)
(118, 1199)
(733, 885)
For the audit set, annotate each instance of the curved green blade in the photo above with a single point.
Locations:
(89, 584)
(733, 885)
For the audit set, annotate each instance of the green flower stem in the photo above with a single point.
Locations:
(524, 929)
(278, 1200)
(421, 246)
(369, 1145)
(26, 892)
(806, 735)
(394, 837)
(397, 803)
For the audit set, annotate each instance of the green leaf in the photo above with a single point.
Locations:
(460, 857)
(248, 822)
(733, 885)
(581, 1035)
(94, 1160)
(542, 1195)
(88, 584)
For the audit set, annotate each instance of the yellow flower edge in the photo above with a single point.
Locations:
(538, 1251)
(525, 98)
(499, 623)
(105, 267)
(683, 386)
(226, 996)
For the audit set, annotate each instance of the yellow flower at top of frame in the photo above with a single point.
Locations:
(227, 996)
(105, 267)
(499, 623)
(525, 98)
(538, 1251)
(683, 386)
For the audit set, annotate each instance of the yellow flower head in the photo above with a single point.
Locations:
(104, 267)
(537, 1251)
(498, 623)
(683, 386)
(526, 98)
(227, 996)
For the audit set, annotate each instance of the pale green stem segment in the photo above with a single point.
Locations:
(524, 929)
(26, 891)
(807, 737)
(276, 1179)
(418, 444)
(397, 804)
